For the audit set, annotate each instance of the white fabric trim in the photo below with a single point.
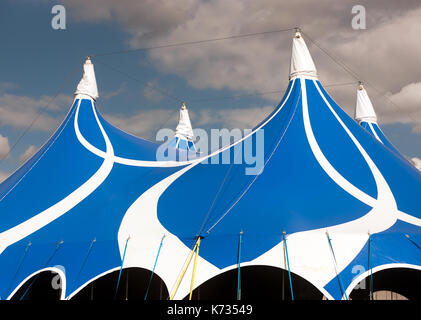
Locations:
(147, 163)
(152, 229)
(374, 132)
(312, 255)
(146, 229)
(55, 211)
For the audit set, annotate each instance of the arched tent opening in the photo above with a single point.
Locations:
(257, 283)
(133, 286)
(390, 284)
(45, 286)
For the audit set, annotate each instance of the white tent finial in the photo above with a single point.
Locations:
(364, 110)
(184, 129)
(301, 62)
(87, 85)
(184, 136)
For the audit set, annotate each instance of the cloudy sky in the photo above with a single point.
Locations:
(221, 81)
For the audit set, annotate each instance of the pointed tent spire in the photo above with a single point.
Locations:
(366, 117)
(184, 129)
(87, 84)
(184, 135)
(301, 62)
(364, 110)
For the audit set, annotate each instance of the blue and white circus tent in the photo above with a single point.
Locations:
(330, 196)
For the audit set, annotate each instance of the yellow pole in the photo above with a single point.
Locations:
(186, 265)
(194, 267)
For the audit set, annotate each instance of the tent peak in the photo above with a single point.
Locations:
(184, 128)
(364, 110)
(87, 85)
(184, 136)
(301, 61)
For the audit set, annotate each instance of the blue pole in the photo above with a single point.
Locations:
(84, 260)
(337, 274)
(153, 270)
(121, 268)
(289, 270)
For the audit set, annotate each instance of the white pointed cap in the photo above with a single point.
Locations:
(364, 110)
(87, 85)
(301, 62)
(184, 128)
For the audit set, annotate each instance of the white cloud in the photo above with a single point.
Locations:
(386, 54)
(111, 94)
(231, 118)
(152, 94)
(4, 146)
(409, 100)
(141, 18)
(29, 152)
(248, 64)
(146, 123)
(19, 111)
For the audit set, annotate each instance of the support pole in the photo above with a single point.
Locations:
(369, 267)
(283, 285)
(121, 268)
(239, 266)
(84, 261)
(153, 270)
(287, 258)
(127, 284)
(336, 267)
(186, 265)
(194, 267)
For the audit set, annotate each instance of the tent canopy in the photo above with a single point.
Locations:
(93, 192)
